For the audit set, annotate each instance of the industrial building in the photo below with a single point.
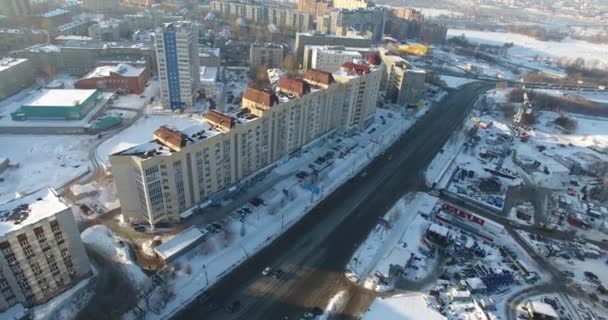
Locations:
(122, 77)
(15, 75)
(58, 104)
(158, 180)
(42, 254)
(317, 39)
(178, 64)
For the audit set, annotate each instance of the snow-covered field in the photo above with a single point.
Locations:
(142, 130)
(386, 246)
(413, 306)
(138, 102)
(41, 161)
(527, 47)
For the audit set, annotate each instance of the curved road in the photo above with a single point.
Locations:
(314, 251)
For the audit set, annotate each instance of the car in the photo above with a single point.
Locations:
(316, 311)
(139, 228)
(217, 226)
(231, 308)
(302, 174)
(247, 210)
(278, 273)
(266, 271)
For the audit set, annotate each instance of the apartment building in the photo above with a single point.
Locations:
(331, 59)
(41, 251)
(105, 30)
(158, 180)
(350, 4)
(178, 64)
(15, 8)
(266, 54)
(15, 39)
(264, 13)
(315, 7)
(364, 20)
(403, 84)
(15, 75)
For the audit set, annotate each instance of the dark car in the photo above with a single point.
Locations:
(139, 228)
(302, 174)
(278, 273)
(233, 307)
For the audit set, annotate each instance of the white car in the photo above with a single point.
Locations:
(266, 271)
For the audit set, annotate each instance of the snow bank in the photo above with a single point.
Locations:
(103, 241)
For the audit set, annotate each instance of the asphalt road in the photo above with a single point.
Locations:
(314, 252)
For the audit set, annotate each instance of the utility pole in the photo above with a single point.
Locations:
(206, 275)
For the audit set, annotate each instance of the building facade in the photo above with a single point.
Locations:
(262, 13)
(122, 77)
(101, 6)
(42, 254)
(15, 75)
(178, 64)
(403, 84)
(331, 59)
(369, 21)
(267, 54)
(158, 180)
(315, 7)
(105, 30)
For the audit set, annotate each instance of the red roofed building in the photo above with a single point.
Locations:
(318, 78)
(220, 119)
(122, 77)
(353, 68)
(259, 98)
(294, 87)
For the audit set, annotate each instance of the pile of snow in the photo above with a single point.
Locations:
(334, 305)
(104, 242)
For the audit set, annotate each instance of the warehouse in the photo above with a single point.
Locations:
(58, 104)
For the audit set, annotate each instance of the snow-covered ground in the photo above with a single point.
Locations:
(138, 102)
(526, 48)
(227, 249)
(393, 242)
(455, 82)
(39, 161)
(99, 197)
(594, 96)
(142, 130)
(104, 242)
(413, 306)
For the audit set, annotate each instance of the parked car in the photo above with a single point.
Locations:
(266, 271)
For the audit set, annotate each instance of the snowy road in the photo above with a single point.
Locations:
(315, 250)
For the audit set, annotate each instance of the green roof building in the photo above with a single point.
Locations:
(58, 104)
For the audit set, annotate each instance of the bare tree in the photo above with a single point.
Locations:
(290, 65)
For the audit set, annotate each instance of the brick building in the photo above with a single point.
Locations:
(122, 77)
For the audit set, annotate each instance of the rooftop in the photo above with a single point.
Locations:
(59, 98)
(208, 74)
(29, 209)
(265, 97)
(181, 241)
(122, 69)
(54, 13)
(543, 308)
(209, 52)
(177, 26)
(6, 63)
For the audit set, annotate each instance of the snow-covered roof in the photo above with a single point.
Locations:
(181, 241)
(543, 308)
(209, 52)
(438, 229)
(29, 209)
(208, 74)
(54, 13)
(475, 284)
(60, 97)
(402, 307)
(122, 69)
(6, 63)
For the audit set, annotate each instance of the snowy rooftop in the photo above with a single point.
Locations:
(29, 209)
(339, 48)
(402, 307)
(193, 134)
(15, 312)
(181, 241)
(73, 38)
(209, 52)
(123, 69)
(543, 308)
(6, 63)
(54, 13)
(60, 97)
(208, 74)
(438, 229)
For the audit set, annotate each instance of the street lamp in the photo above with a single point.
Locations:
(206, 275)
